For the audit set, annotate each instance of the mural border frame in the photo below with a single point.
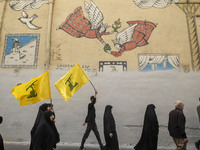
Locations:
(123, 63)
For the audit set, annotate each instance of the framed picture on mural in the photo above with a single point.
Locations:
(155, 62)
(112, 66)
(20, 51)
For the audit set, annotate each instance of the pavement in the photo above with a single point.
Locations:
(69, 146)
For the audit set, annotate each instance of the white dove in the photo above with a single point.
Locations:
(28, 21)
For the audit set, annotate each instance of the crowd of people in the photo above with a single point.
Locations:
(150, 131)
(44, 134)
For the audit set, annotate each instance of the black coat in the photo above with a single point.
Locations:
(1, 143)
(149, 137)
(44, 138)
(1, 139)
(91, 115)
(41, 110)
(176, 124)
(110, 127)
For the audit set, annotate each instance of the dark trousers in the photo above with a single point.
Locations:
(197, 144)
(93, 127)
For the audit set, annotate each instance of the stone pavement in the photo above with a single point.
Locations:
(67, 146)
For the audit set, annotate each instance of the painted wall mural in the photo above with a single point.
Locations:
(28, 21)
(78, 26)
(154, 62)
(136, 35)
(190, 9)
(18, 5)
(112, 66)
(20, 51)
(67, 67)
(154, 3)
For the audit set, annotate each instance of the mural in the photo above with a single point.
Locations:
(112, 66)
(67, 67)
(154, 3)
(28, 21)
(20, 51)
(190, 9)
(154, 62)
(136, 35)
(78, 26)
(18, 5)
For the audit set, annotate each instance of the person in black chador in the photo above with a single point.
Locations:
(149, 138)
(56, 134)
(197, 143)
(91, 124)
(44, 138)
(110, 133)
(1, 139)
(42, 109)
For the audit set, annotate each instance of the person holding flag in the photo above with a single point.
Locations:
(70, 84)
(91, 124)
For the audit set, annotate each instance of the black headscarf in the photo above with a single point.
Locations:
(1, 119)
(1, 139)
(41, 110)
(110, 127)
(44, 138)
(149, 138)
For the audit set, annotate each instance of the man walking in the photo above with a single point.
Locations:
(176, 126)
(91, 124)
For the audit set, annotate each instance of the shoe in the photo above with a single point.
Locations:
(196, 145)
(82, 148)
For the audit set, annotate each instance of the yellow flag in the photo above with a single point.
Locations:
(71, 82)
(37, 89)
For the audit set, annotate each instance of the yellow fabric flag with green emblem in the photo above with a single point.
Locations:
(71, 82)
(37, 89)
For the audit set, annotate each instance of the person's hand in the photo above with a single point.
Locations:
(186, 140)
(96, 91)
(111, 135)
(84, 124)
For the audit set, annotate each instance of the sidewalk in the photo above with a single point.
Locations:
(70, 146)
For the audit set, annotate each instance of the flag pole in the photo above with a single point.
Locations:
(51, 101)
(92, 85)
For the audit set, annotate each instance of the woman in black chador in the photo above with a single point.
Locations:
(1, 139)
(110, 133)
(41, 110)
(44, 138)
(44, 107)
(149, 138)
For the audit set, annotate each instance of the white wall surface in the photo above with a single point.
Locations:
(129, 93)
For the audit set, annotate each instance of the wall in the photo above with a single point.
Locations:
(128, 82)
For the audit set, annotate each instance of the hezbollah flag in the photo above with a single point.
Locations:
(71, 82)
(37, 89)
